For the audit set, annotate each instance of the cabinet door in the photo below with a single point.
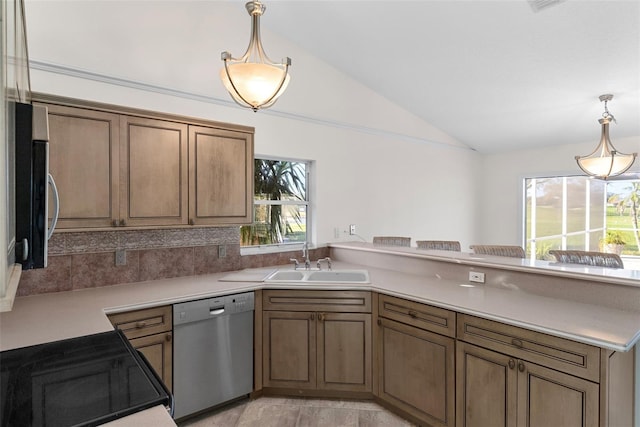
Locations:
(159, 352)
(550, 398)
(83, 159)
(221, 176)
(416, 372)
(289, 349)
(344, 351)
(154, 186)
(486, 388)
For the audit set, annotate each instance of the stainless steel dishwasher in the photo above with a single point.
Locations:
(212, 351)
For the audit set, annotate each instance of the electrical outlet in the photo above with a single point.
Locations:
(121, 257)
(476, 277)
(352, 229)
(222, 251)
(336, 232)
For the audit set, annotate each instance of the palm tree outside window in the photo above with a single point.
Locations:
(281, 204)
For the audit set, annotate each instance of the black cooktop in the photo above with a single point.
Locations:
(84, 381)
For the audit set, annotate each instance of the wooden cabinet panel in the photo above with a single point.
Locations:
(547, 397)
(158, 351)
(416, 372)
(568, 356)
(325, 301)
(307, 350)
(344, 351)
(84, 157)
(221, 176)
(154, 180)
(486, 388)
(140, 323)
(422, 316)
(150, 331)
(289, 353)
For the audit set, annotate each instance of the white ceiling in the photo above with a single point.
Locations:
(495, 75)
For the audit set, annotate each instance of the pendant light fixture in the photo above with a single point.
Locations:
(605, 161)
(253, 80)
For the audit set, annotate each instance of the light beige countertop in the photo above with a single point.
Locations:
(549, 268)
(50, 317)
(55, 316)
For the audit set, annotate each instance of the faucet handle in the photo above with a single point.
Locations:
(295, 263)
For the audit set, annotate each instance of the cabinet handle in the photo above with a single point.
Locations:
(123, 223)
(321, 317)
(380, 322)
(140, 325)
(114, 223)
(512, 363)
(413, 313)
(168, 337)
(312, 317)
(192, 222)
(520, 366)
(517, 342)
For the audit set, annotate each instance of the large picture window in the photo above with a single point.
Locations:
(578, 212)
(281, 204)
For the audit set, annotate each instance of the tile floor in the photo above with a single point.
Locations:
(298, 412)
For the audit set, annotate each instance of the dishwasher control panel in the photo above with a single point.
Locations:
(202, 309)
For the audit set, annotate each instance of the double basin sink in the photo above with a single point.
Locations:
(318, 276)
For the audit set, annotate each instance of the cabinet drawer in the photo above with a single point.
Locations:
(421, 316)
(141, 323)
(328, 301)
(564, 355)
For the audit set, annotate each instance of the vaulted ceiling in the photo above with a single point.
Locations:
(496, 75)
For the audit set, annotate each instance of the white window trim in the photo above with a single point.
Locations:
(294, 246)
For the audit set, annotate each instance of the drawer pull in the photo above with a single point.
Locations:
(168, 337)
(380, 322)
(520, 366)
(312, 317)
(413, 313)
(517, 342)
(140, 325)
(512, 363)
(320, 317)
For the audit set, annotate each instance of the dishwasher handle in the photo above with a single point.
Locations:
(215, 311)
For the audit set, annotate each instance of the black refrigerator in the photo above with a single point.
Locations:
(32, 181)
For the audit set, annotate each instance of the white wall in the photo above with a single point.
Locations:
(377, 166)
(500, 210)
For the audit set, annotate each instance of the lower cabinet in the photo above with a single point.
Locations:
(416, 365)
(509, 376)
(320, 349)
(499, 390)
(150, 332)
(416, 372)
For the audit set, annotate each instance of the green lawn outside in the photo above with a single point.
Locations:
(549, 220)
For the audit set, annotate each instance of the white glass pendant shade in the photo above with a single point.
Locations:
(253, 80)
(255, 85)
(605, 161)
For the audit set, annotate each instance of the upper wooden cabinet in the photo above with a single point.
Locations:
(84, 160)
(153, 159)
(120, 167)
(220, 164)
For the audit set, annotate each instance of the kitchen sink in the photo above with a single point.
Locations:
(318, 276)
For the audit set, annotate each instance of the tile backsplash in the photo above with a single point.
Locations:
(79, 260)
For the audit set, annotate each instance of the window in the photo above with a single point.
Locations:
(281, 204)
(575, 212)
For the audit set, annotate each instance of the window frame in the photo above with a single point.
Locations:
(286, 247)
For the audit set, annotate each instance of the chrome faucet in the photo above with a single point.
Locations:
(305, 254)
(324, 259)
